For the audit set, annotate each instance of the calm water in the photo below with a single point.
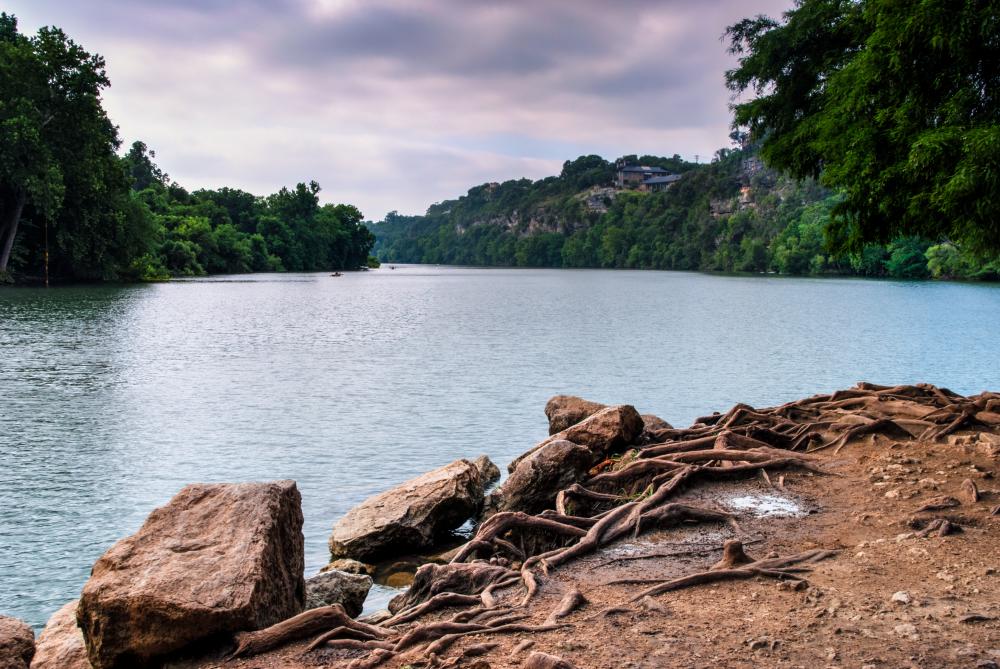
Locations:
(112, 398)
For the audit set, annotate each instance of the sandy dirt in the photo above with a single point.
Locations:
(889, 598)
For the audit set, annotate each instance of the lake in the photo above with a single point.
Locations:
(114, 397)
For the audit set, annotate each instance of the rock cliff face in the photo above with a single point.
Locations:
(414, 515)
(217, 559)
(17, 643)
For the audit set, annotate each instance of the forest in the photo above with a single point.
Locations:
(731, 215)
(73, 209)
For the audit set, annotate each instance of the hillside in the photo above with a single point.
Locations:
(731, 215)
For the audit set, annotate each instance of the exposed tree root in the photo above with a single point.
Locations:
(572, 600)
(783, 568)
(302, 626)
(625, 496)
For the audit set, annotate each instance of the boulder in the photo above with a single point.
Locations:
(652, 423)
(414, 515)
(536, 480)
(217, 559)
(60, 645)
(489, 473)
(464, 578)
(350, 566)
(564, 411)
(17, 643)
(604, 431)
(338, 587)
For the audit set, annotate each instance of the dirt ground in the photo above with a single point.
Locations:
(888, 598)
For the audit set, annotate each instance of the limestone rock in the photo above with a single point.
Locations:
(543, 661)
(413, 516)
(60, 645)
(564, 411)
(350, 566)
(652, 423)
(537, 479)
(17, 643)
(338, 587)
(489, 473)
(216, 559)
(608, 429)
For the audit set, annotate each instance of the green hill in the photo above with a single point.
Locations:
(731, 215)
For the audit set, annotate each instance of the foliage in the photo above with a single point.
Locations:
(62, 187)
(726, 216)
(231, 231)
(894, 104)
(66, 193)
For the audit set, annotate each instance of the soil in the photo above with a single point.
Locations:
(889, 597)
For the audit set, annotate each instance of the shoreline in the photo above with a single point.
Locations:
(762, 477)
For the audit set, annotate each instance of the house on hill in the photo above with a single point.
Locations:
(657, 184)
(644, 177)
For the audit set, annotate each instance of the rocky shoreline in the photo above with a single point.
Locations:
(215, 577)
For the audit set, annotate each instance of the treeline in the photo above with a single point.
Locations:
(71, 208)
(232, 231)
(731, 215)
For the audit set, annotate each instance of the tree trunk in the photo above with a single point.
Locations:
(10, 229)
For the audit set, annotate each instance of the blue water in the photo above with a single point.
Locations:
(115, 397)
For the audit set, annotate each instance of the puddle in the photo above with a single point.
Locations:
(766, 505)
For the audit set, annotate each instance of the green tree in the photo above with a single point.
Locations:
(61, 183)
(892, 103)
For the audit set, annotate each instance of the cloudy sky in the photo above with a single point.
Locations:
(395, 104)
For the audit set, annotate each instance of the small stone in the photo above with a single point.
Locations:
(907, 630)
(338, 587)
(901, 597)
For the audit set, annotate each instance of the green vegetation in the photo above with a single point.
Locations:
(732, 215)
(232, 231)
(893, 104)
(70, 207)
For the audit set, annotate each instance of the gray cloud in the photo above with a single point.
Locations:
(394, 104)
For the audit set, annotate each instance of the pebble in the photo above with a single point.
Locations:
(907, 630)
(901, 597)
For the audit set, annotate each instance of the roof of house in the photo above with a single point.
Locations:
(669, 179)
(644, 169)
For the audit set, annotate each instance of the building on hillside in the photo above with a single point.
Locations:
(632, 176)
(657, 184)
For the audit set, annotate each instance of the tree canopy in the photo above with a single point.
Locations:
(895, 104)
(70, 204)
(59, 172)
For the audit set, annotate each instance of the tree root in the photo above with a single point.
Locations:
(782, 568)
(304, 625)
(573, 600)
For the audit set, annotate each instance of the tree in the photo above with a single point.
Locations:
(62, 186)
(894, 103)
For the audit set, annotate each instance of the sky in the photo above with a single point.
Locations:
(397, 104)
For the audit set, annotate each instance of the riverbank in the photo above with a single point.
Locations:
(871, 514)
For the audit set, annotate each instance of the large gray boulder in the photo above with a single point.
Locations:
(537, 479)
(604, 431)
(338, 587)
(414, 515)
(216, 559)
(17, 643)
(60, 645)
